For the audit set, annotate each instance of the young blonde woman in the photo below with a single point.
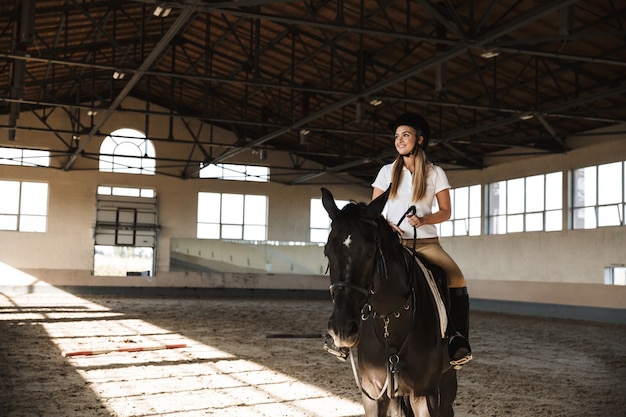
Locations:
(414, 181)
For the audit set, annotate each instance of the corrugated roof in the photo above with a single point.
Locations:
(341, 70)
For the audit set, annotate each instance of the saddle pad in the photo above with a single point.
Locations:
(441, 307)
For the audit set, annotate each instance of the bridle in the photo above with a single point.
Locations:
(342, 285)
(381, 265)
(381, 269)
(367, 311)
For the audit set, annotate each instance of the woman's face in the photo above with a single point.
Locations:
(405, 139)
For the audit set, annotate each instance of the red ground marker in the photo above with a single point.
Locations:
(129, 349)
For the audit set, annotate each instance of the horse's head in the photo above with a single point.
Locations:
(352, 250)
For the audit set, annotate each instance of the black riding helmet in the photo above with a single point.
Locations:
(417, 122)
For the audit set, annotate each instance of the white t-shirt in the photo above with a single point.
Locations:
(437, 181)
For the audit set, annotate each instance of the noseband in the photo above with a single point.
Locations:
(341, 285)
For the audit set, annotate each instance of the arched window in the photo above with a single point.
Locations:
(127, 151)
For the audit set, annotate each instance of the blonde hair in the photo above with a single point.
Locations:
(422, 166)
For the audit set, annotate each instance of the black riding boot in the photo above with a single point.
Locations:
(458, 345)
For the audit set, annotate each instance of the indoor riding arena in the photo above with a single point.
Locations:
(264, 357)
(162, 230)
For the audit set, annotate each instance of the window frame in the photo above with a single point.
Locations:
(224, 224)
(471, 222)
(124, 163)
(615, 275)
(238, 172)
(22, 210)
(24, 157)
(517, 215)
(596, 214)
(318, 228)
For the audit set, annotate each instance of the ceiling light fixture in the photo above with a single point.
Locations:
(303, 134)
(375, 102)
(118, 75)
(489, 53)
(161, 11)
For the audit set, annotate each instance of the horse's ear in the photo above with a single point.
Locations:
(376, 206)
(328, 201)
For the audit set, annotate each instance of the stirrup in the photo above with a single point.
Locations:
(340, 353)
(460, 351)
(457, 364)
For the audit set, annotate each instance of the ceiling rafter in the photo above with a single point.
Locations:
(268, 69)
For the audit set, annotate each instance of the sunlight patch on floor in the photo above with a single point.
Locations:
(197, 379)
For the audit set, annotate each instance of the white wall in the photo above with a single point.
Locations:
(576, 257)
(572, 256)
(68, 242)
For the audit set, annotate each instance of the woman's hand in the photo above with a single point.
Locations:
(396, 228)
(415, 220)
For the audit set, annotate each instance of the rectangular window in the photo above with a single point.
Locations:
(232, 216)
(528, 204)
(615, 275)
(24, 157)
(598, 194)
(126, 191)
(319, 220)
(466, 212)
(250, 173)
(23, 206)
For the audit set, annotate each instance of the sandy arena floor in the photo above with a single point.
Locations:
(524, 367)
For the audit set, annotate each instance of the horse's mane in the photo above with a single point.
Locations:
(352, 214)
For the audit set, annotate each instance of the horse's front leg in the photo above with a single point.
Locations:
(448, 388)
(375, 408)
(419, 405)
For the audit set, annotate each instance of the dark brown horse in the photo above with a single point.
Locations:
(390, 308)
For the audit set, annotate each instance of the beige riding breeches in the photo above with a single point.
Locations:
(432, 251)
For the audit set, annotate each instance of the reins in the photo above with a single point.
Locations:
(411, 210)
(391, 385)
